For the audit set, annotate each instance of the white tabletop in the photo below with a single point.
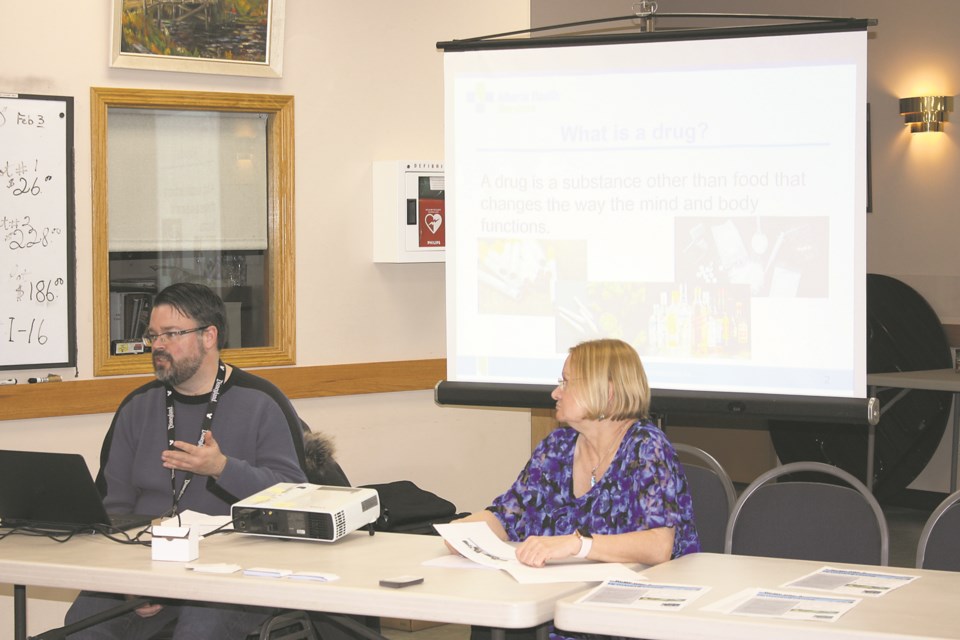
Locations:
(925, 608)
(466, 596)
(930, 379)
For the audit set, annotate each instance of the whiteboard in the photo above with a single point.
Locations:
(37, 261)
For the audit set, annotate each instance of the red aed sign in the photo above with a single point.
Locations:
(430, 222)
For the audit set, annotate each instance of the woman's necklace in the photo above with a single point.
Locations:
(614, 445)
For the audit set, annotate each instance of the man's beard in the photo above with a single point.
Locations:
(178, 371)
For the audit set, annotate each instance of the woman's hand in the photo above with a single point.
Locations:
(535, 551)
(450, 548)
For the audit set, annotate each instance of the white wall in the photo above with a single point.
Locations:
(367, 80)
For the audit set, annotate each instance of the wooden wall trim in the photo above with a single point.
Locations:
(103, 395)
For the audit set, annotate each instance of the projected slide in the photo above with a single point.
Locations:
(704, 201)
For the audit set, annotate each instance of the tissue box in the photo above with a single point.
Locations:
(179, 544)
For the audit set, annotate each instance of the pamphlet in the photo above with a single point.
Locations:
(641, 594)
(851, 581)
(769, 603)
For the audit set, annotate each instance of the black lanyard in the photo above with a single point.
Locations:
(204, 428)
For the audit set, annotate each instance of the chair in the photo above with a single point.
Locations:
(808, 520)
(939, 545)
(713, 495)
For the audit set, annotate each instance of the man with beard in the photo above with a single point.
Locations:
(200, 437)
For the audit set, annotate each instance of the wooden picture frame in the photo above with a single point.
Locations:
(252, 29)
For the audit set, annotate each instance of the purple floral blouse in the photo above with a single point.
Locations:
(644, 488)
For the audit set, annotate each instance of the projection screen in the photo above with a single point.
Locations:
(701, 199)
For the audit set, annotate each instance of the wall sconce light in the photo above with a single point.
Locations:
(926, 113)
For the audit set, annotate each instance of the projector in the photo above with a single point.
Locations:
(306, 511)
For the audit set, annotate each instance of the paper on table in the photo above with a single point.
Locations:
(768, 603)
(586, 572)
(263, 572)
(316, 576)
(266, 572)
(220, 567)
(477, 542)
(451, 561)
(852, 582)
(640, 594)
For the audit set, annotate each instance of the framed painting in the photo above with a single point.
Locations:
(230, 37)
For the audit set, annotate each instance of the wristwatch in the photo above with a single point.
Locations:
(586, 542)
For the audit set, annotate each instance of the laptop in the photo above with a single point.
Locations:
(54, 490)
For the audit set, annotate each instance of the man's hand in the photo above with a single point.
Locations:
(536, 550)
(147, 610)
(207, 460)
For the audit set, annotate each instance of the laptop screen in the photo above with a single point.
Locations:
(42, 488)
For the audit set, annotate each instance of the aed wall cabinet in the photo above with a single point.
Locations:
(409, 219)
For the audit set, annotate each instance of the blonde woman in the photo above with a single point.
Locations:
(608, 485)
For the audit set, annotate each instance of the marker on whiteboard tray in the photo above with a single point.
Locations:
(47, 378)
(4, 383)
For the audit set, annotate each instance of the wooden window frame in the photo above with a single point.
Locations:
(281, 303)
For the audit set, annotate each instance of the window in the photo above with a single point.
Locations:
(198, 187)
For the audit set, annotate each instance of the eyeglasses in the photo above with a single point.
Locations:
(562, 382)
(150, 339)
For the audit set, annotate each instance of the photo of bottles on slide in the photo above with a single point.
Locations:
(722, 267)
(205, 29)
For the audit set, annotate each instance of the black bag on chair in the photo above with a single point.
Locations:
(406, 508)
